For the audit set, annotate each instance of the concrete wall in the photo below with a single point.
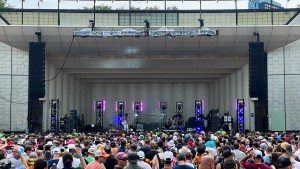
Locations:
(226, 90)
(13, 88)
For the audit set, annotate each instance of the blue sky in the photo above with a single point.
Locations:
(52, 4)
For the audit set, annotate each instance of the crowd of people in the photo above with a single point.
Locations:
(150, 150)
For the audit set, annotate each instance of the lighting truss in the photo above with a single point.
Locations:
(129, 32)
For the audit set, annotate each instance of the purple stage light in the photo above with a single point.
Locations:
(142, 106)
(104, 105)
(116, 106)
(95, 105)
(132, 106)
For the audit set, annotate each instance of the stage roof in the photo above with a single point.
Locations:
(147, 59)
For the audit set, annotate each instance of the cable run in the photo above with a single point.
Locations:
(64, 61)
(12, 101)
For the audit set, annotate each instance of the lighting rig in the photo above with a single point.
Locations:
(137, 108)
(163, 111)
(179, 115)
(240, 108)
(199, 115)
(54, 114)
(100, 108)
(163, 31)
(120, 108)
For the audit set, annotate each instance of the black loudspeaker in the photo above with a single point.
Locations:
(36, 70)
(257, 70)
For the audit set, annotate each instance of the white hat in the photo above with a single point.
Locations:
(71, 146)
(142, 142)
(257, 153)
(141, 154)
(184, 150)
(91, 150)
(171, 143)
(168, 155)
(174, 138)
(56, 151)
(49, 143)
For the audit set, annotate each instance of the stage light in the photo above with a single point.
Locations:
(240, 105)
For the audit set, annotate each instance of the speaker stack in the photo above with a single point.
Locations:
(257, 70)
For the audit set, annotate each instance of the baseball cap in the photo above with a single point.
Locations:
(121, 156)
(168, 155)
(56, 151)
(91, 150)
(263, 145)
(257, 154)
(99, 153)
(141, 154)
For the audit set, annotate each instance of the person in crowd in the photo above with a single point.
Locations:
(239, 155)
(227, 155)
(133, 161)
(273, 160)
(100, 158)
(146, 148)
(284, 162)
(141, 161)
(121, 160)
(157, 161)
(230, 164)
(56, 154)
(110, 160)
(257, 154)
(266, 158)
(40, 164)
(15, 157)
(168, 158)
(200, 151)
(6, 164)
(181, 162)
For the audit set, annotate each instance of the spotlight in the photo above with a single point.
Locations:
(92, 24)
(147, 26)
(201, 22)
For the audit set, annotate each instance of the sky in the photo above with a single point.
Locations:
(52, 4)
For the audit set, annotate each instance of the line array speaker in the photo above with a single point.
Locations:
(36, 70)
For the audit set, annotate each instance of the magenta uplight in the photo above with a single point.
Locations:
(104, 105)
(116, 106)
(142, 106)
(94, 105)
(132, 106)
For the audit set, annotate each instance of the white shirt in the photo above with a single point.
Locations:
(75, 163)
(212, 151)
(144, 164)
(297, 153)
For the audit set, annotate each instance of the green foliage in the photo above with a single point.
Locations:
(2, 3)
(101, 7)
(135, 8)
(172, 8)
(155, 7)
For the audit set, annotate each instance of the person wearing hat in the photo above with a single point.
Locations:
(133, 159)
(168, 158)
(90, 156)
(257, 154)
(100, 158)
(121, 160)
(284, 162)
(56, 154)
(141, 161)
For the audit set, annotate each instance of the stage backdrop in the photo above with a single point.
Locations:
(148, 93)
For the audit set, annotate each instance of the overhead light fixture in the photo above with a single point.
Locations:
(129, 32)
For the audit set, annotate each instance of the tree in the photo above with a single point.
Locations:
(172, 8)
(99, 7)
(155, 7)
(2, 3)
